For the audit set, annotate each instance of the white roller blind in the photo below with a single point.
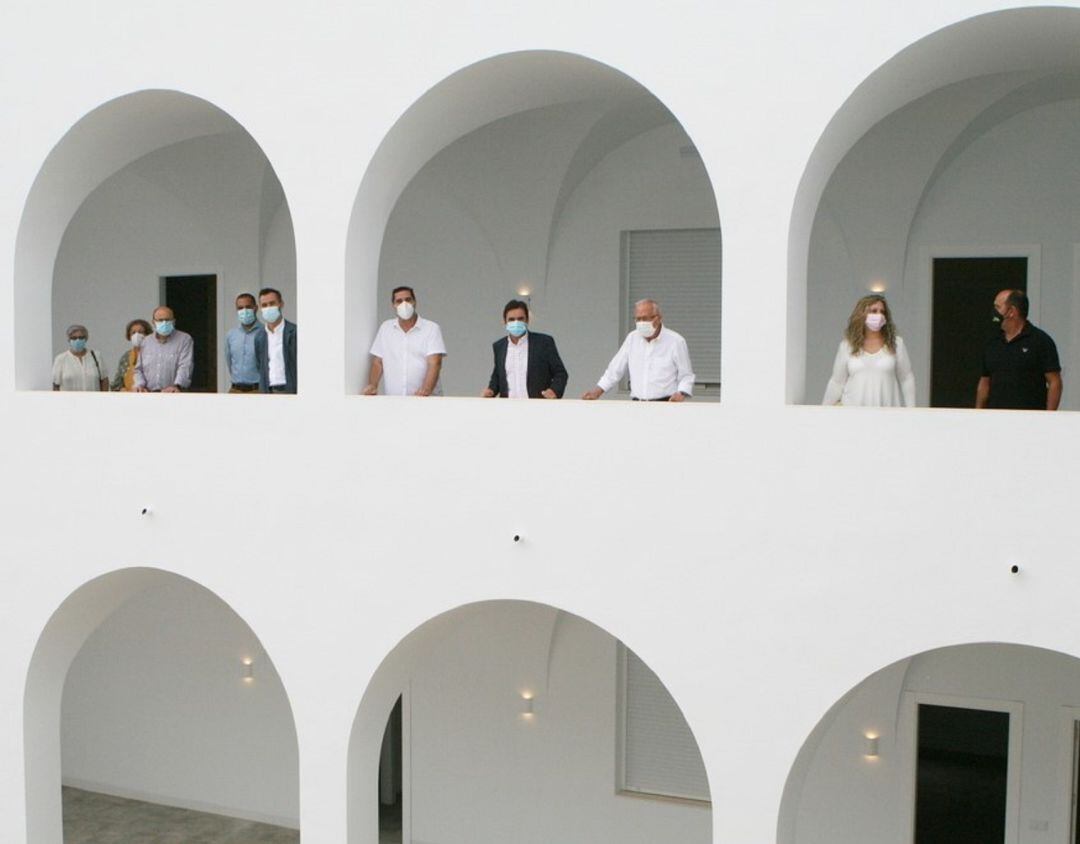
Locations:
(680, 268)
(659, 754)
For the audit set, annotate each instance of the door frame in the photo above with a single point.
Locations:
(975, 249)
(1031, 251)
(909, 725)
(406, 764)
(1069, 726)
(222, 327)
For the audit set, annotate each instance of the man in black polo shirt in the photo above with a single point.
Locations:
(1020, 368)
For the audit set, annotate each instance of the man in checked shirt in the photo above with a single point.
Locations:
(166, 361)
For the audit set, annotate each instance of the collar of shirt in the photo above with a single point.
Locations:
(416, 325)
(1024, 332)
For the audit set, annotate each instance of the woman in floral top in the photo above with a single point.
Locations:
(137, 331)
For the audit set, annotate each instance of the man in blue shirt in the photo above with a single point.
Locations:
(240, 348)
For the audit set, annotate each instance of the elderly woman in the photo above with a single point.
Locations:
(79, 368)
(137, 330)
(872, 367)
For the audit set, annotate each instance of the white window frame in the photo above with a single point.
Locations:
(909, 737)
(702, 389)
(1063, 817)
(621, 788)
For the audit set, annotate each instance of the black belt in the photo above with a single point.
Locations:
(665, 398)
(246, 388)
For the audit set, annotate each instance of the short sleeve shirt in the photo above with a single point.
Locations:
(1017, 369)
(404, 355)
(73, 373)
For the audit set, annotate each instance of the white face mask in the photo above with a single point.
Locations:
(875, 322)
(645, 328)
(405, 310)
(137, 338)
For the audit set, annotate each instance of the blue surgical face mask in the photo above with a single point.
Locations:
(271, 315)
(246, 316)
(164, 327)
(78, 344)
(517, 327)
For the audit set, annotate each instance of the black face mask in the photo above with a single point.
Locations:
(999, 318)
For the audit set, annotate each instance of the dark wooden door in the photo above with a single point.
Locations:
(193, 299)
(962, 322)
(961, 785)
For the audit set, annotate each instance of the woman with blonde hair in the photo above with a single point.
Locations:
(872, 367)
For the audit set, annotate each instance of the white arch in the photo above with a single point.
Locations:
(63, 636)
(1009, 48)
(98, 145)
(473, 97)
(533, 662)
(845, 721)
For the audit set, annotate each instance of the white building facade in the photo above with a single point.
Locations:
(762, 555)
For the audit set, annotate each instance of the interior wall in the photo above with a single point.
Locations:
(278, 259)
(1017, 184)
(476, 226)
(844, 798)
(541, 779)
(192, 207)
(154, 707)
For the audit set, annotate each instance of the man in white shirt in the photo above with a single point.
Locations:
(656, 358)
(275, 345)
(408, 352)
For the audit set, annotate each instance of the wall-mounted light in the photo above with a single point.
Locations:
(878, 286)
(870, 745)
(524, 291)
(527, 705)
(247, 669)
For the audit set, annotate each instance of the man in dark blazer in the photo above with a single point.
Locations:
(275, 345)
(527, 365)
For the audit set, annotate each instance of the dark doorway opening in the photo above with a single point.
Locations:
(390, 779)
(962, 322)
(193, 299)
(961, 783)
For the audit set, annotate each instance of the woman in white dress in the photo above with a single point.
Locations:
(872, 367)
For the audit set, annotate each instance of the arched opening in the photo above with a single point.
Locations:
(948, 175)
(967, 743)
(154, 198)
(522, 722)
(148, 700)
(545, 177)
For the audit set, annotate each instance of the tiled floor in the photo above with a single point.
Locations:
(91, 818)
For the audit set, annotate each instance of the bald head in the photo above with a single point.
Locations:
(163, 313)
(1011, 304)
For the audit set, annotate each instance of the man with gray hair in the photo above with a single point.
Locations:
(167, 361)
(656, 357)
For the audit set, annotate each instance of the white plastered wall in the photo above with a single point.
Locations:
(207, 205)
(1011, 190)
(551, 776)
(748, 588)
(155, 708)
(840, 796)
(476, 226)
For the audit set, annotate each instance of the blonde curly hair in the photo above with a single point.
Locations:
(856, 327)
